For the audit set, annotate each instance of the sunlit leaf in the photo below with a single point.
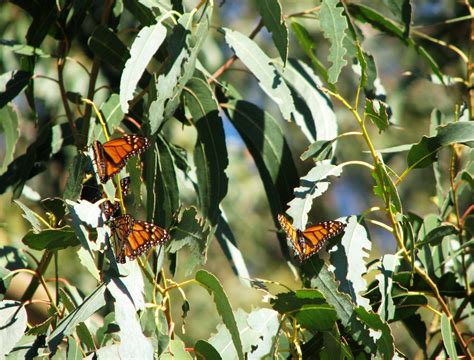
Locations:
(143, 48)
(259, 64)
(349, 258)
(13, 322)
(334, 26)
(214, 287)
(314, 113)
(312, 185)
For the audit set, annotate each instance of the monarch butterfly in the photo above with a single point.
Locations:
(112, 155)
(308, 242)
(135, 237)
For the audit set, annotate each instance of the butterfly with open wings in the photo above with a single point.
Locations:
(135, 237)
(111, 156)
(308, 242)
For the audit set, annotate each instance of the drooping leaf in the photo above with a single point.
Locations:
(184, 47)
(334, 26)
(214, 287)
(210, 152)
(314, 113)
(447, 335)
(425, 152)
(272, 17)
(13, 322)
(66, 326)
(51, 239)
(143, 48)
(161, 182)
(11, 133)
(312, 185)
(349, 259)
(384, 338)
(308, 307)
(259, 64)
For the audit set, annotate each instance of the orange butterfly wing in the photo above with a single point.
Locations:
(308, 242)
(136, 237)
(112, 156)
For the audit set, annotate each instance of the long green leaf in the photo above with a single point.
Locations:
(448, 339)
(272, 18)
(210, 152)
(349, 258)
(260, 65)
(11, 132)
(214, 287)
(84, 311)
(320, 123)
(334, 26)
(161, 182)
(143, 48)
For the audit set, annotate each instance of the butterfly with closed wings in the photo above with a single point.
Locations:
(111, 156)
(135, 237)
(308, 242)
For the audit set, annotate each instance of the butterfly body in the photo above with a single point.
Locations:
(135, 237)
(308, 242)
(111, 156)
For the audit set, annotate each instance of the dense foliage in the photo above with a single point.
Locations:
(182, 74)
